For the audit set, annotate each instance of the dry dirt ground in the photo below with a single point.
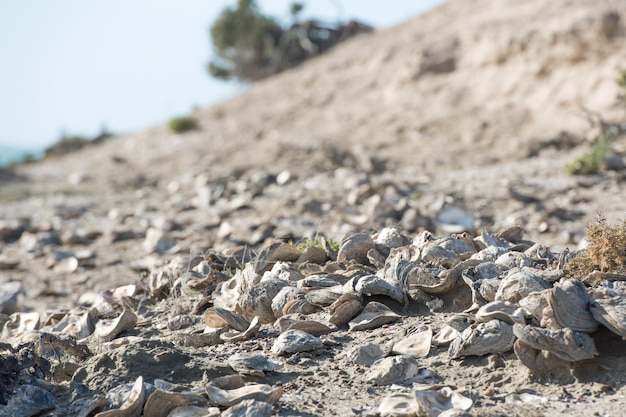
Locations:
(476, 105)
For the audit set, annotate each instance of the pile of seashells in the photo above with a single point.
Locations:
(224, 327)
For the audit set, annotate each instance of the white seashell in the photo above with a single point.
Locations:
(398, 405)
(109, 329)
(373, 315)
(444, 336)
(609, 308)
(416, 345)
(568, 306)
(435, 403)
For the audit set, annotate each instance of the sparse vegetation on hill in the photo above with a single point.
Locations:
(251, 46)
(183, 124)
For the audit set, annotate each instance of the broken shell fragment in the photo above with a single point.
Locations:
(375, 285)
(297, 322)
(393, 370)
(161, 403)
(235, 336)
(565, 343)
(108, 331)
(133, 404)
(374, 315)
(259, 392)
(609, 308)
(252, 364)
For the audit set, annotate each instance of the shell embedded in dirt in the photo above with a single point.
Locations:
(293, 341)
(252, 364)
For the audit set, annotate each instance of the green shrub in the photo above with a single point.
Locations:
(183, 124)
(591, 162)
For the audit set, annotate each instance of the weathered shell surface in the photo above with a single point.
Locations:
(568, 306)
(257, 300)
(299, 322)
(417, 344)
(494, 336)
(345, 308)
(374, 315)
(355, 248)
(237, 336)
(284, 296)
(514, 260)
(398, 405)
(609, 308)
(501, 310)
(108, 331)
(436, 403)
(564, 343)
(249, 408)
(133, 404)
(365, 354)
(161, 403)
(293, 341)
(375, 285)
(518, 283)
(393, 370)
(252, 364)
(259, 392)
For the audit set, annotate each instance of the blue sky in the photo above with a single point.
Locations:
(77, 66)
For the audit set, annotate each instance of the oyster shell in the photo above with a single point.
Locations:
(398, 405)
(375, 285)
(355, 248)
(109, 330)
(495, 336)
(437, 402)
(565, 343)
(254, 364)
(518, 283)
(374, 315)
(345, 308)
(293, 341)
(501, 310)
(609, 308)
(133, 404)
(160, 403)
(568, 306)
(416, 345)
(259, 392)
(393, 370)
